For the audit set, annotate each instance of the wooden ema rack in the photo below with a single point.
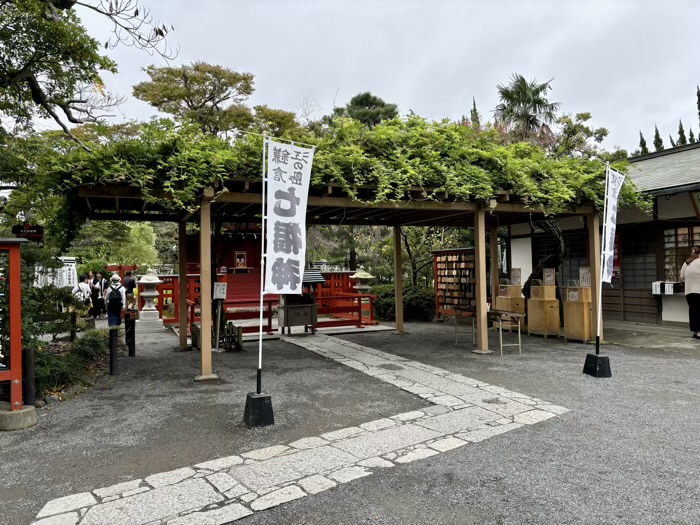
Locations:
(454, 280)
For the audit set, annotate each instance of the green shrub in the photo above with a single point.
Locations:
(418, 303)
(93, 344)
(53, 371)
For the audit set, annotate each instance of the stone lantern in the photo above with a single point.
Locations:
(149, 318)
(362, 277)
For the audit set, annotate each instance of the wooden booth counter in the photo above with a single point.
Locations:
(543, 311)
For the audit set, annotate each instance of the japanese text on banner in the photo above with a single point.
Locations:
(615, 181)
(288, 178)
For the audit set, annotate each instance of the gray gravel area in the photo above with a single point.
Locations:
(154, 418)
(626, 453)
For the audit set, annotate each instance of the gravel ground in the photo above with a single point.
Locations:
(155, 418)
(625, 453)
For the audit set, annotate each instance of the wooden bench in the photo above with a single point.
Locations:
(508, 320)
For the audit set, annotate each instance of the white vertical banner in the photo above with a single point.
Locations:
(614, 185)
(288, 178)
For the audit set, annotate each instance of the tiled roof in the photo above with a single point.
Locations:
(673, 167)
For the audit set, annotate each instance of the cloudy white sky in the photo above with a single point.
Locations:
(631, 63)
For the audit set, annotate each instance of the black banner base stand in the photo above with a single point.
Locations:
(258, 410)
(597, 366)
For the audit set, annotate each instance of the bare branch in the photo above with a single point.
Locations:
(39, 97)
(132, 23)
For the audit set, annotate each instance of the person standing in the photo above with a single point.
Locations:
(130, 285)
(83, 292)
(690, 275)
(115, 300)
(94, 295)
(99, 285)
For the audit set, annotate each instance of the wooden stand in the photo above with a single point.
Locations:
(578, 315)
(510, 299)
(543, 312)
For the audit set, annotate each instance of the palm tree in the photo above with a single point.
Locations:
(524, 107)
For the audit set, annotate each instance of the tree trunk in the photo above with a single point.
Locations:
(554, 260)
(353, 250)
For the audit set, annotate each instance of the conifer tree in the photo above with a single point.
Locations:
(658, 143)
(682, 141)
(474, 116)
(697, 93)
(691, 137)
(642, 144)
(670, 139)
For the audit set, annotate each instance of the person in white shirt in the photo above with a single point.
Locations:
(82, 291)
(690, 275)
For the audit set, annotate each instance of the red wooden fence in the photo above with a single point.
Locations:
(336, 298)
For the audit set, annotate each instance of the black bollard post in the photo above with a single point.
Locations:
(73, 325)
(28, 377)
(113, 349)
(130, 332)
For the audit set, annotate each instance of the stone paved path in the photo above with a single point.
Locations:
(226, 489)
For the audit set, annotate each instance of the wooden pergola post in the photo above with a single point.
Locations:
(182, 281)
(482, 334)
(594, 263)
(398, 279)
(205, 285)
(495, 277)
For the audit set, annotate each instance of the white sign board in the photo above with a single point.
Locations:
(288, 178)
(615, 181)
(668, 289)
(219, 290)
(64, 277)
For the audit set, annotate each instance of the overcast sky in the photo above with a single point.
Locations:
(631, 63)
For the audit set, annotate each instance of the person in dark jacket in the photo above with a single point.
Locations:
(130, 286)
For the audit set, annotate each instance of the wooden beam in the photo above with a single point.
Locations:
(482, 329)
(495, 278)
(440, 218)
(594, 263)
(182, 281)
(187, 216)
(205, 289)
(398, 279)
(513, 207)
(345, 202)
(110, 192)
(125, 216)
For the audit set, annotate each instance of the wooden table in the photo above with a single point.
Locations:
(503, 318)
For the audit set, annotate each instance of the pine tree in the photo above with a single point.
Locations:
(670, 139)
(697, 92)
(658, 143)
(475, 118)
(682, 141)
(642, 144)
(691, 137)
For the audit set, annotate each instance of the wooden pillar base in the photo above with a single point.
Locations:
(482, 352)
(207, 377)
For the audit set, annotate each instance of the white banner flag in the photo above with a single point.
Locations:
(614, 184)
(288, 177)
